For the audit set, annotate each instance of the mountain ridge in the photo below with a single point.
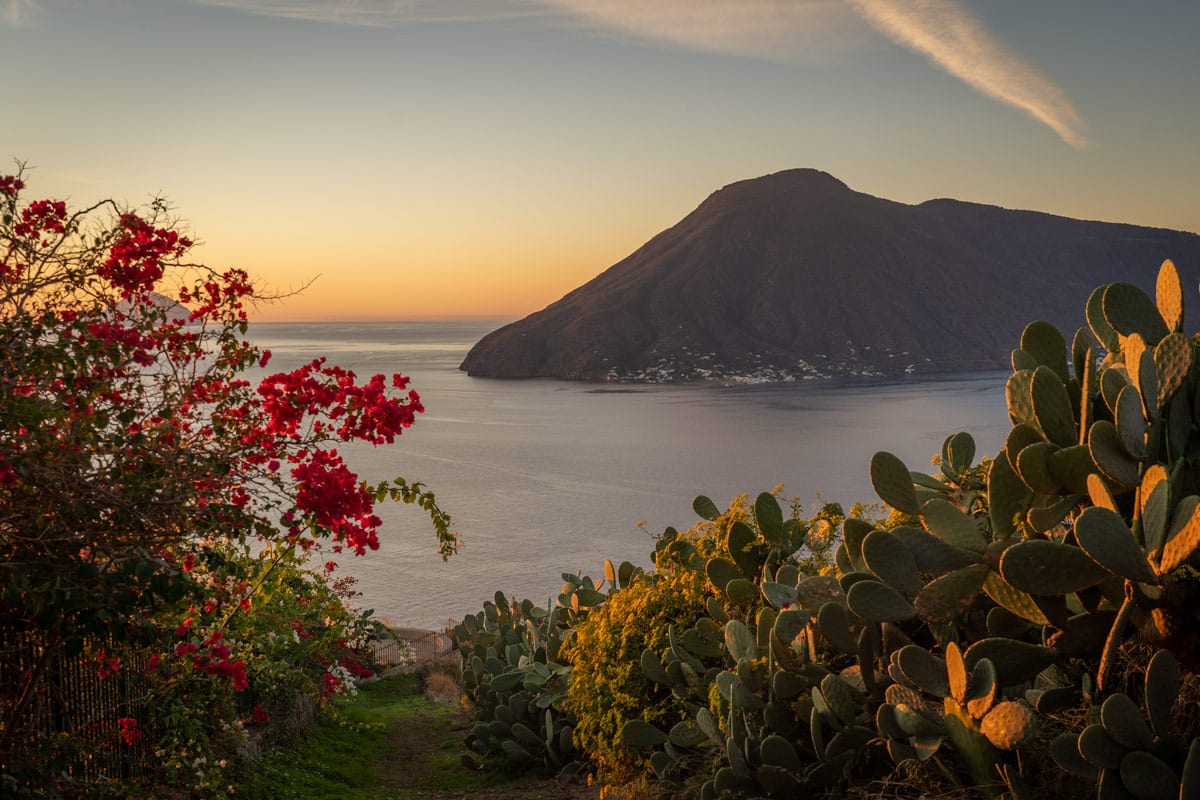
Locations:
(795, 275)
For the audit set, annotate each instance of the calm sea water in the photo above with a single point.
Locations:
(545, 477)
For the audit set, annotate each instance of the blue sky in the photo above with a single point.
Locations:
(430, 159)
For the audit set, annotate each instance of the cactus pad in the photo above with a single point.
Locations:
(769, 517)
(1162, 690)
(1021, 436)
(1107, 540)
(1017, 393)
(1081, 358)
(779, 595)
(1033, 467)
(1071, 466)
(1131, 422)
(1172, 361)
(638, 734)
(958, 452)
(1013, 600)
(947, 522)
(1168, 295)
(706, 508)
(1100, 749)
(721, 571)
(1039, 566)
(1123, 722)
(1052, 407)
(1184, 536)
(1144, 375)
(1147, 777)
(1015, 662)
(892, 483)
(1046, 345)
(1008, 496)
(923, 669)
(1064, 748)
(814, 592)
(891, 561)
(1112, 381)
(931, 553)
(834, 625)
(1103, 332)
(878, 602)
(1128, 310)
(946, 598)
(1110, 454)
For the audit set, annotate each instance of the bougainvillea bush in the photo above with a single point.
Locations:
(155, 501)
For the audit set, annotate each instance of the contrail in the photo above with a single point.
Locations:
(779, 30)
(950, 37)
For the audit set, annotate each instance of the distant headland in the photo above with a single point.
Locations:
(794, 275)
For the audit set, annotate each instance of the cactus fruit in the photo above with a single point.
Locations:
(1009, 724)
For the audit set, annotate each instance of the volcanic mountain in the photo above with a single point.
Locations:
(796, 275)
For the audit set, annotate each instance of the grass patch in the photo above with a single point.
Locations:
(389, 743)
(347, 754)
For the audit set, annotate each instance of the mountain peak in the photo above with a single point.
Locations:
(795, 275)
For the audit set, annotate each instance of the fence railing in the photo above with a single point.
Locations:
(426, 646)
(67, 709)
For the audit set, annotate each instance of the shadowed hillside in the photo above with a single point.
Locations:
(795, 274)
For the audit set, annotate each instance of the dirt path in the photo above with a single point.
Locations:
(422, 759)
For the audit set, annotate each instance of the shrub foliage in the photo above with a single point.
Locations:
(1019, 626)
(157, 508)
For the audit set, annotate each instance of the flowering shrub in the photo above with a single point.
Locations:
(607, 687)
(152, 497)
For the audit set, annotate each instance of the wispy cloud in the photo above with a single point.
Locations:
(780, 30)
(950, 37)
(385, 13)
(783, 30)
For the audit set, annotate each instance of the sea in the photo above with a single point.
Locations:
(545, 477)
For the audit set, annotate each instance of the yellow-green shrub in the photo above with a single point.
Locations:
(607, 687)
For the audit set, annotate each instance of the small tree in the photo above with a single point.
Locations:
(129, 440)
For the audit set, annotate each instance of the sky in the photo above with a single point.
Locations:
(417, 159)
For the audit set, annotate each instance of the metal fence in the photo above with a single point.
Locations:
(426, 645)
(57, 707)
